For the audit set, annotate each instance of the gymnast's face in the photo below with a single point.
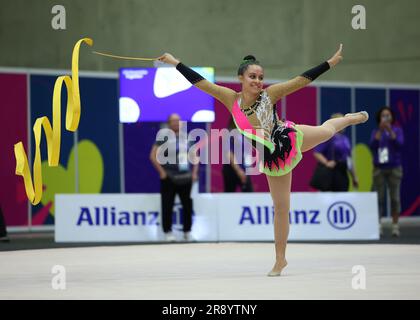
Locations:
(253, 79)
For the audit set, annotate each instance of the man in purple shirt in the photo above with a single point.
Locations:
(386, 143)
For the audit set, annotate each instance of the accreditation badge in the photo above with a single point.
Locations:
(383, 155)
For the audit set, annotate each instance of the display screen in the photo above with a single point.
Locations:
(153, 94)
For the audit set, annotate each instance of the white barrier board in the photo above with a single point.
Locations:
(217, 217)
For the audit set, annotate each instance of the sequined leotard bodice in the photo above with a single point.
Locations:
(280, 138)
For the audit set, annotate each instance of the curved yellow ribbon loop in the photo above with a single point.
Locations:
(52, 133)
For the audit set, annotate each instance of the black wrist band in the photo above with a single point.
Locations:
(315, 72)
(189, 73)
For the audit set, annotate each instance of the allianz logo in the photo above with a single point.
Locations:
(340, 215)
(258, 215)
(109, 216)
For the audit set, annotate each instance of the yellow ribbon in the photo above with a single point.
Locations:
(52, 133)
(122, 57)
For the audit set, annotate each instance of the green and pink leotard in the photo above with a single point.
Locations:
(281, 146)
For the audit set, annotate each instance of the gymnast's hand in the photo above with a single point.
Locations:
(337, 57)
(168, 58)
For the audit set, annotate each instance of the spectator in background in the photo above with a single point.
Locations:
(386, 143)
(175, 177)
(234, 172)
(334, 161)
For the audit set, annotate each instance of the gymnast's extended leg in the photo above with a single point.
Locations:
(314, 135)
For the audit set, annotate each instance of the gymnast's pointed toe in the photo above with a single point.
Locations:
(274, 274)
(277, 269)
(366, 115)
(362, 116)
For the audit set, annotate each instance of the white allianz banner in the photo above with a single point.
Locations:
(124, 218)
(312, 216)
(216, 217)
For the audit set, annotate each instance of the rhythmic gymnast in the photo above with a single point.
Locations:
(254, 111)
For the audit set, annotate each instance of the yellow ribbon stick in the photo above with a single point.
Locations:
(122, 57)
(52, 133)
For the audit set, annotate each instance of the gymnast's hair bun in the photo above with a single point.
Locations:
(250, 58)
(247, 61)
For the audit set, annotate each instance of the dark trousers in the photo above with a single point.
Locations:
(168, 191)
(391, 179)
(231, 180)
(340, 181)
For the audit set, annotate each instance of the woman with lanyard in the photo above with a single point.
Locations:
(386, 144)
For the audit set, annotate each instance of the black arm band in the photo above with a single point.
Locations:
(315, 72)
(189, 73)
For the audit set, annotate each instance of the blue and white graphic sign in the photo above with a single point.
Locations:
(312, 216)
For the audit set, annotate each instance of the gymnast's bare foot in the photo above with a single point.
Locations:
(358, 117)
(277, 269)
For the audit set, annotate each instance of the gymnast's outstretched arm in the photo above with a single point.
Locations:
(224, 95)
(279, 90)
